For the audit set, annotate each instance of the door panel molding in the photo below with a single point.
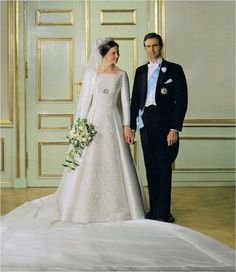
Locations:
(41, 172)
(104, 12)
(71, 57)
(43, 116)
(41, 22)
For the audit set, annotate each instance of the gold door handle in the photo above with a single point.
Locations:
(79, 84)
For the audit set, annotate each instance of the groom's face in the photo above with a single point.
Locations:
(153, 48)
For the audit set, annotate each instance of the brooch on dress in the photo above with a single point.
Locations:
(164, 91)
(105, 91)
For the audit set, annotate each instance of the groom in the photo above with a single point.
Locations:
(158, 107)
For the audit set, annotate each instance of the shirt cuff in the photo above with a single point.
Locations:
(174, 130)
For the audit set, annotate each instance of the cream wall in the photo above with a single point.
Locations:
(200, 35)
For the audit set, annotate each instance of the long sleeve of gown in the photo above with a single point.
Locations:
(125, 99)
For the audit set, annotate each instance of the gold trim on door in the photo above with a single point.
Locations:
(39, 22)
(163, 25)
(40, 172)
(104, 11)
(59, 115)
(17, 85)
(10, 14)
(160, 21)
(25, 86)
(87, 26)
(39, 67)
(156, 9)
(148, 16)
(2, 155)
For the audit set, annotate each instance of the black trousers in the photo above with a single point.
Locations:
(158, 158)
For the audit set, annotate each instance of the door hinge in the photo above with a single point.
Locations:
(26, 160)
(26, 69)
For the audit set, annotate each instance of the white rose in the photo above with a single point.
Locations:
(84, 140)
(78, 137)
(163, 69)
(71, 134)
(81, 128)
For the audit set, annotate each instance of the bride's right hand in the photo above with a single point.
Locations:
(128, 135)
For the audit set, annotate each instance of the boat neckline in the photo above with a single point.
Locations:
(110, 73)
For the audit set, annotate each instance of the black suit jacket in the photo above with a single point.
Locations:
(171, 106)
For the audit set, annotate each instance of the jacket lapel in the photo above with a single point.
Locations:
(162, 75)
(144, 88)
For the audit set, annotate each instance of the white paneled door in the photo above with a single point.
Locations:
(58, 36)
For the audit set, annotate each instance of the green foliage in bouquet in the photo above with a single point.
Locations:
(81, 134)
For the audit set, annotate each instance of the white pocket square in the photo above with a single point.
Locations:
(168, 81)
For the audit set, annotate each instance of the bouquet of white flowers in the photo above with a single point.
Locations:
(81, 134)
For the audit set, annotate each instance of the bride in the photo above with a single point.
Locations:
(105, 186)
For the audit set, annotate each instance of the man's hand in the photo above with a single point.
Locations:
(133, 136)
(172, 137)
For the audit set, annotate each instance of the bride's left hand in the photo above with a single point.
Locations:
(128, 135)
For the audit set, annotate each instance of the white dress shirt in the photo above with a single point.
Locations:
(152, 66)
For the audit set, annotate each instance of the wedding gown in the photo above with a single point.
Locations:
(105, 187)
(47, 235)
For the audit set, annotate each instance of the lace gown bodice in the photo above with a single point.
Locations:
(105, 187)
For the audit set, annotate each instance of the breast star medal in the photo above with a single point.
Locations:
(164, 91)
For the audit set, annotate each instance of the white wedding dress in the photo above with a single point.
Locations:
(69, 230)
(105, 187)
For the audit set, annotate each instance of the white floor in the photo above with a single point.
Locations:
(32, 243)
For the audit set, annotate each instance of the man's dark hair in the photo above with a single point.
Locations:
(103, 50)
(151, 36)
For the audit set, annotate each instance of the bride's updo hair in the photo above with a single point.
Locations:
(104, 48)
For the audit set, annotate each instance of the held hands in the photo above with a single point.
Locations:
(129, 138)
(172, 137)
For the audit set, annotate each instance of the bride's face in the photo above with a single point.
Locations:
(112, 55)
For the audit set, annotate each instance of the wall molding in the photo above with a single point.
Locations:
(229, 122)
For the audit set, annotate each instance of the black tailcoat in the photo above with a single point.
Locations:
(171, 101)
